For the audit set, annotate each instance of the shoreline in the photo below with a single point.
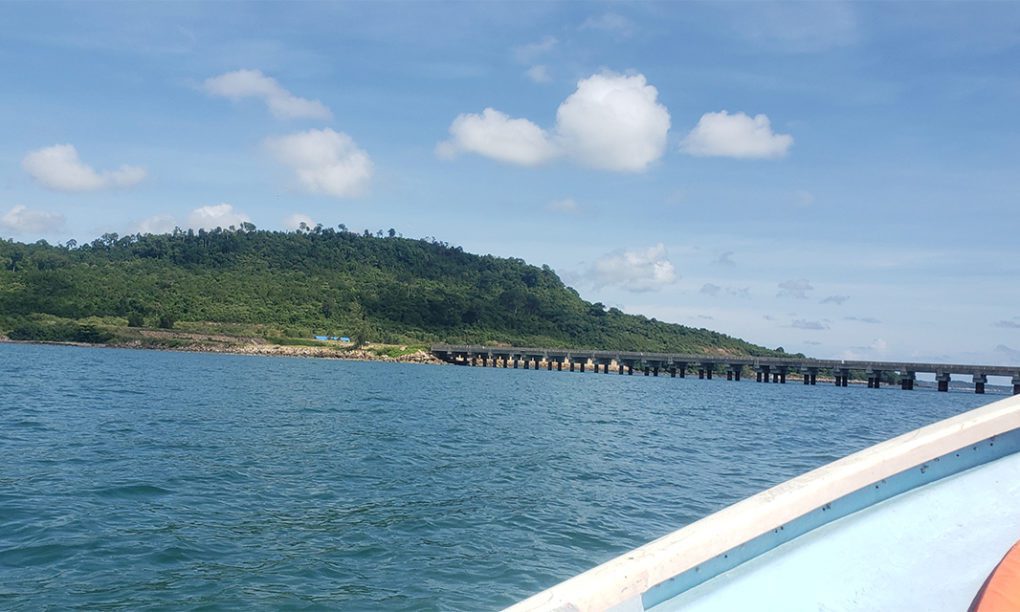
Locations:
(253, 349)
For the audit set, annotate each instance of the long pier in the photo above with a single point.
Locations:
(765, 369)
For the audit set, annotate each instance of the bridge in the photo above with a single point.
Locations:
(765, 369)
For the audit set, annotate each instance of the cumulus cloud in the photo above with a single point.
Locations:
(613, 122)
(253, 84)
(216, 215)
(610, 122)
(635, 270)
(156, 224)
(1009, 324)
(22, 220)
(835, 299)
(294, 221)
(539, 74)
(810, 325)
(495, 135)
(795, 289)
(566, 205)
(738, 135)
(324, 161)
(59, 168)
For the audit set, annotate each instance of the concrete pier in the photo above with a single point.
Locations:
(979, 383)
(767, 369)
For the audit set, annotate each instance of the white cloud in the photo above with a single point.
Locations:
(610, 22)
(636, 270)
(253, 84)
(216, 215)
(539, 74)
(613, 122)
(795, 289)
(839, 300)
(495, 135)
(738, 135)
(59, 168)
(294, 221)
(22, 220)
(157, 224)
(566, 205)
(324, 161)
(528, 53)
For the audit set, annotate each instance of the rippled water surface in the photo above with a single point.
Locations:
(140, 479)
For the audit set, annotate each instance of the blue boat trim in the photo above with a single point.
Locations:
(943, 466)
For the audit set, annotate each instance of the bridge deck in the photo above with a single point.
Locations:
(444, 351)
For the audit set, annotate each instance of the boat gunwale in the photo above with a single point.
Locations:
(628, 577)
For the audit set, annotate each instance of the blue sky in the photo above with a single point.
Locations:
(841, 179)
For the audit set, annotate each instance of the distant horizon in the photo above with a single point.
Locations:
(835, 178)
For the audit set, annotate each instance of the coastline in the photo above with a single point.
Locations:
(255, 349)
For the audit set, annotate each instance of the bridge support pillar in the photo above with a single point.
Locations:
(619, 366)
(701, 373)
(655, 372)
(630, 370)
(582, 367)
(874, 379)
(979, 383)
(516, 364)
(907, 381)
(841, 376)
(571, 365)
(708, 371)
(672, 372)
(729, 374)
(943, 379)
(736, 374)
(758, 376)
(681, 370)
(1016, 385)
(646, 370)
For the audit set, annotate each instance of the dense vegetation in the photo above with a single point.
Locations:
(314, 281)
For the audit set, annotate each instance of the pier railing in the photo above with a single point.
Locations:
(766, 369)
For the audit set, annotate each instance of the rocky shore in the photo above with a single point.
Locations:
(259, 348)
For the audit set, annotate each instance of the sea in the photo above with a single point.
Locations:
(142, 480)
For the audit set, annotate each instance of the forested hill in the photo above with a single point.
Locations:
(320, 281)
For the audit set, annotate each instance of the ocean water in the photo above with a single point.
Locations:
(138, 480)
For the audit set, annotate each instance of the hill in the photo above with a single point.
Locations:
(290, 286)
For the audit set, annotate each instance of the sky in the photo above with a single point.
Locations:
(839, 179)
